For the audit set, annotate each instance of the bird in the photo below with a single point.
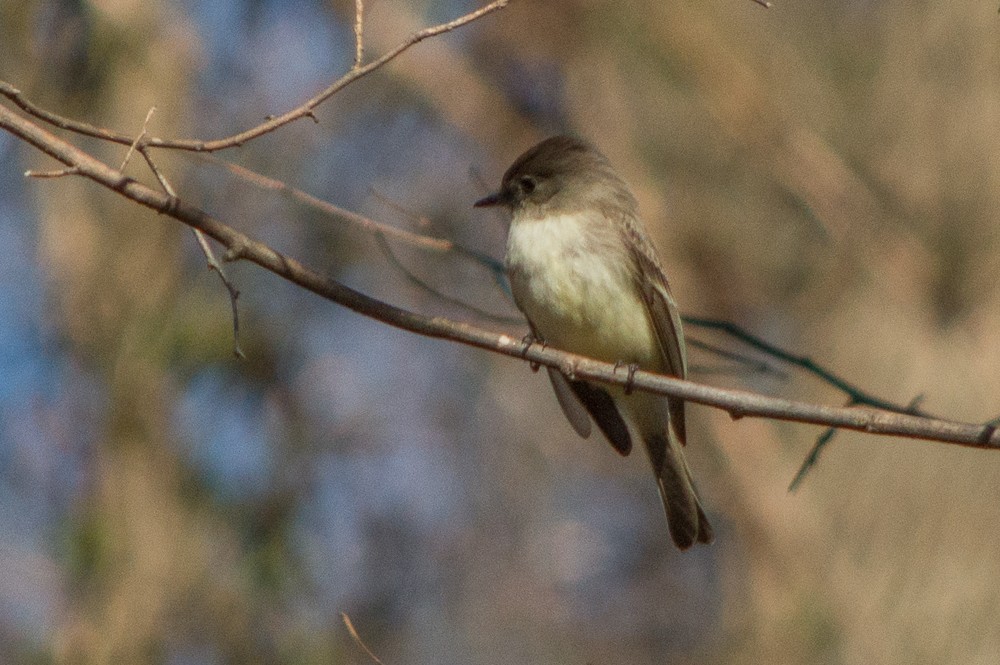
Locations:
(587, 278)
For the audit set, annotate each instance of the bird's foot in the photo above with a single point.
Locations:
(528, 340)
(632, 369)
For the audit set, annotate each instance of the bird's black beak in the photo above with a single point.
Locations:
(494, 199)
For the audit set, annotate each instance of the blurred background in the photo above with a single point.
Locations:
(824, 174)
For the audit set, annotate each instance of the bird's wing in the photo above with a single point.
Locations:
(666, 318)
(575, 412)
(578, 399)
(604, 411)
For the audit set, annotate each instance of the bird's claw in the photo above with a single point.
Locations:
(632, 369)
(528, 340)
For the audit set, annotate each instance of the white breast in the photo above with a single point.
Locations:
(573, 280)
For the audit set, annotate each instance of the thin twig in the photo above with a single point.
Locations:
(141, 135)
(752, 364)
(495, 267)
(382, 233)
(417, 219)
(812, 458)
(164, 183)
(824, 439)
(856, 394)
(234, 294)
(206, 249)
(737, 403)
(419, 282)
(273, 122)
(357, 638)
(359, 26)
(264, 182)
(16, 96)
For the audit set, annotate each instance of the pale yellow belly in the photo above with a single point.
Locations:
(583, 303)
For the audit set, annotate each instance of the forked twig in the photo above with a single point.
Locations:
(304, 110)
(138, 139)
(206, 249)
(856, 394)
(738, 403)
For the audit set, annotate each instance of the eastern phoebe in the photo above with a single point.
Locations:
(586, 276)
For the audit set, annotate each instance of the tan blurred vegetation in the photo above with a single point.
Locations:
(824, 174)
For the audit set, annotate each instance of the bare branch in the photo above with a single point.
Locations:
(737, 403)
(234, 294)
(359, 26)
(812, 458)
(753, 365)
(206, 249)
(856, 395)
(416, 239)
(357, 638)
(16, 96)
(382, 233)
(422, 284)
(141, 135)
(273, 122)
(824, 439)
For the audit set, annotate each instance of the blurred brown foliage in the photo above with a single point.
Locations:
(822, 173)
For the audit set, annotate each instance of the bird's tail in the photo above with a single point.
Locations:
(685, 517)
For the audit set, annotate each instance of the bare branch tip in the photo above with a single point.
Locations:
(357, 638)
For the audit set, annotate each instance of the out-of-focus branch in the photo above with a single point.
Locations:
(737, 403)
(357, 638)
(855, 395)
(273, 122)
(425, 242)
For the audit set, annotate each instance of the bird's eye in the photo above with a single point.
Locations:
(528, 184)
